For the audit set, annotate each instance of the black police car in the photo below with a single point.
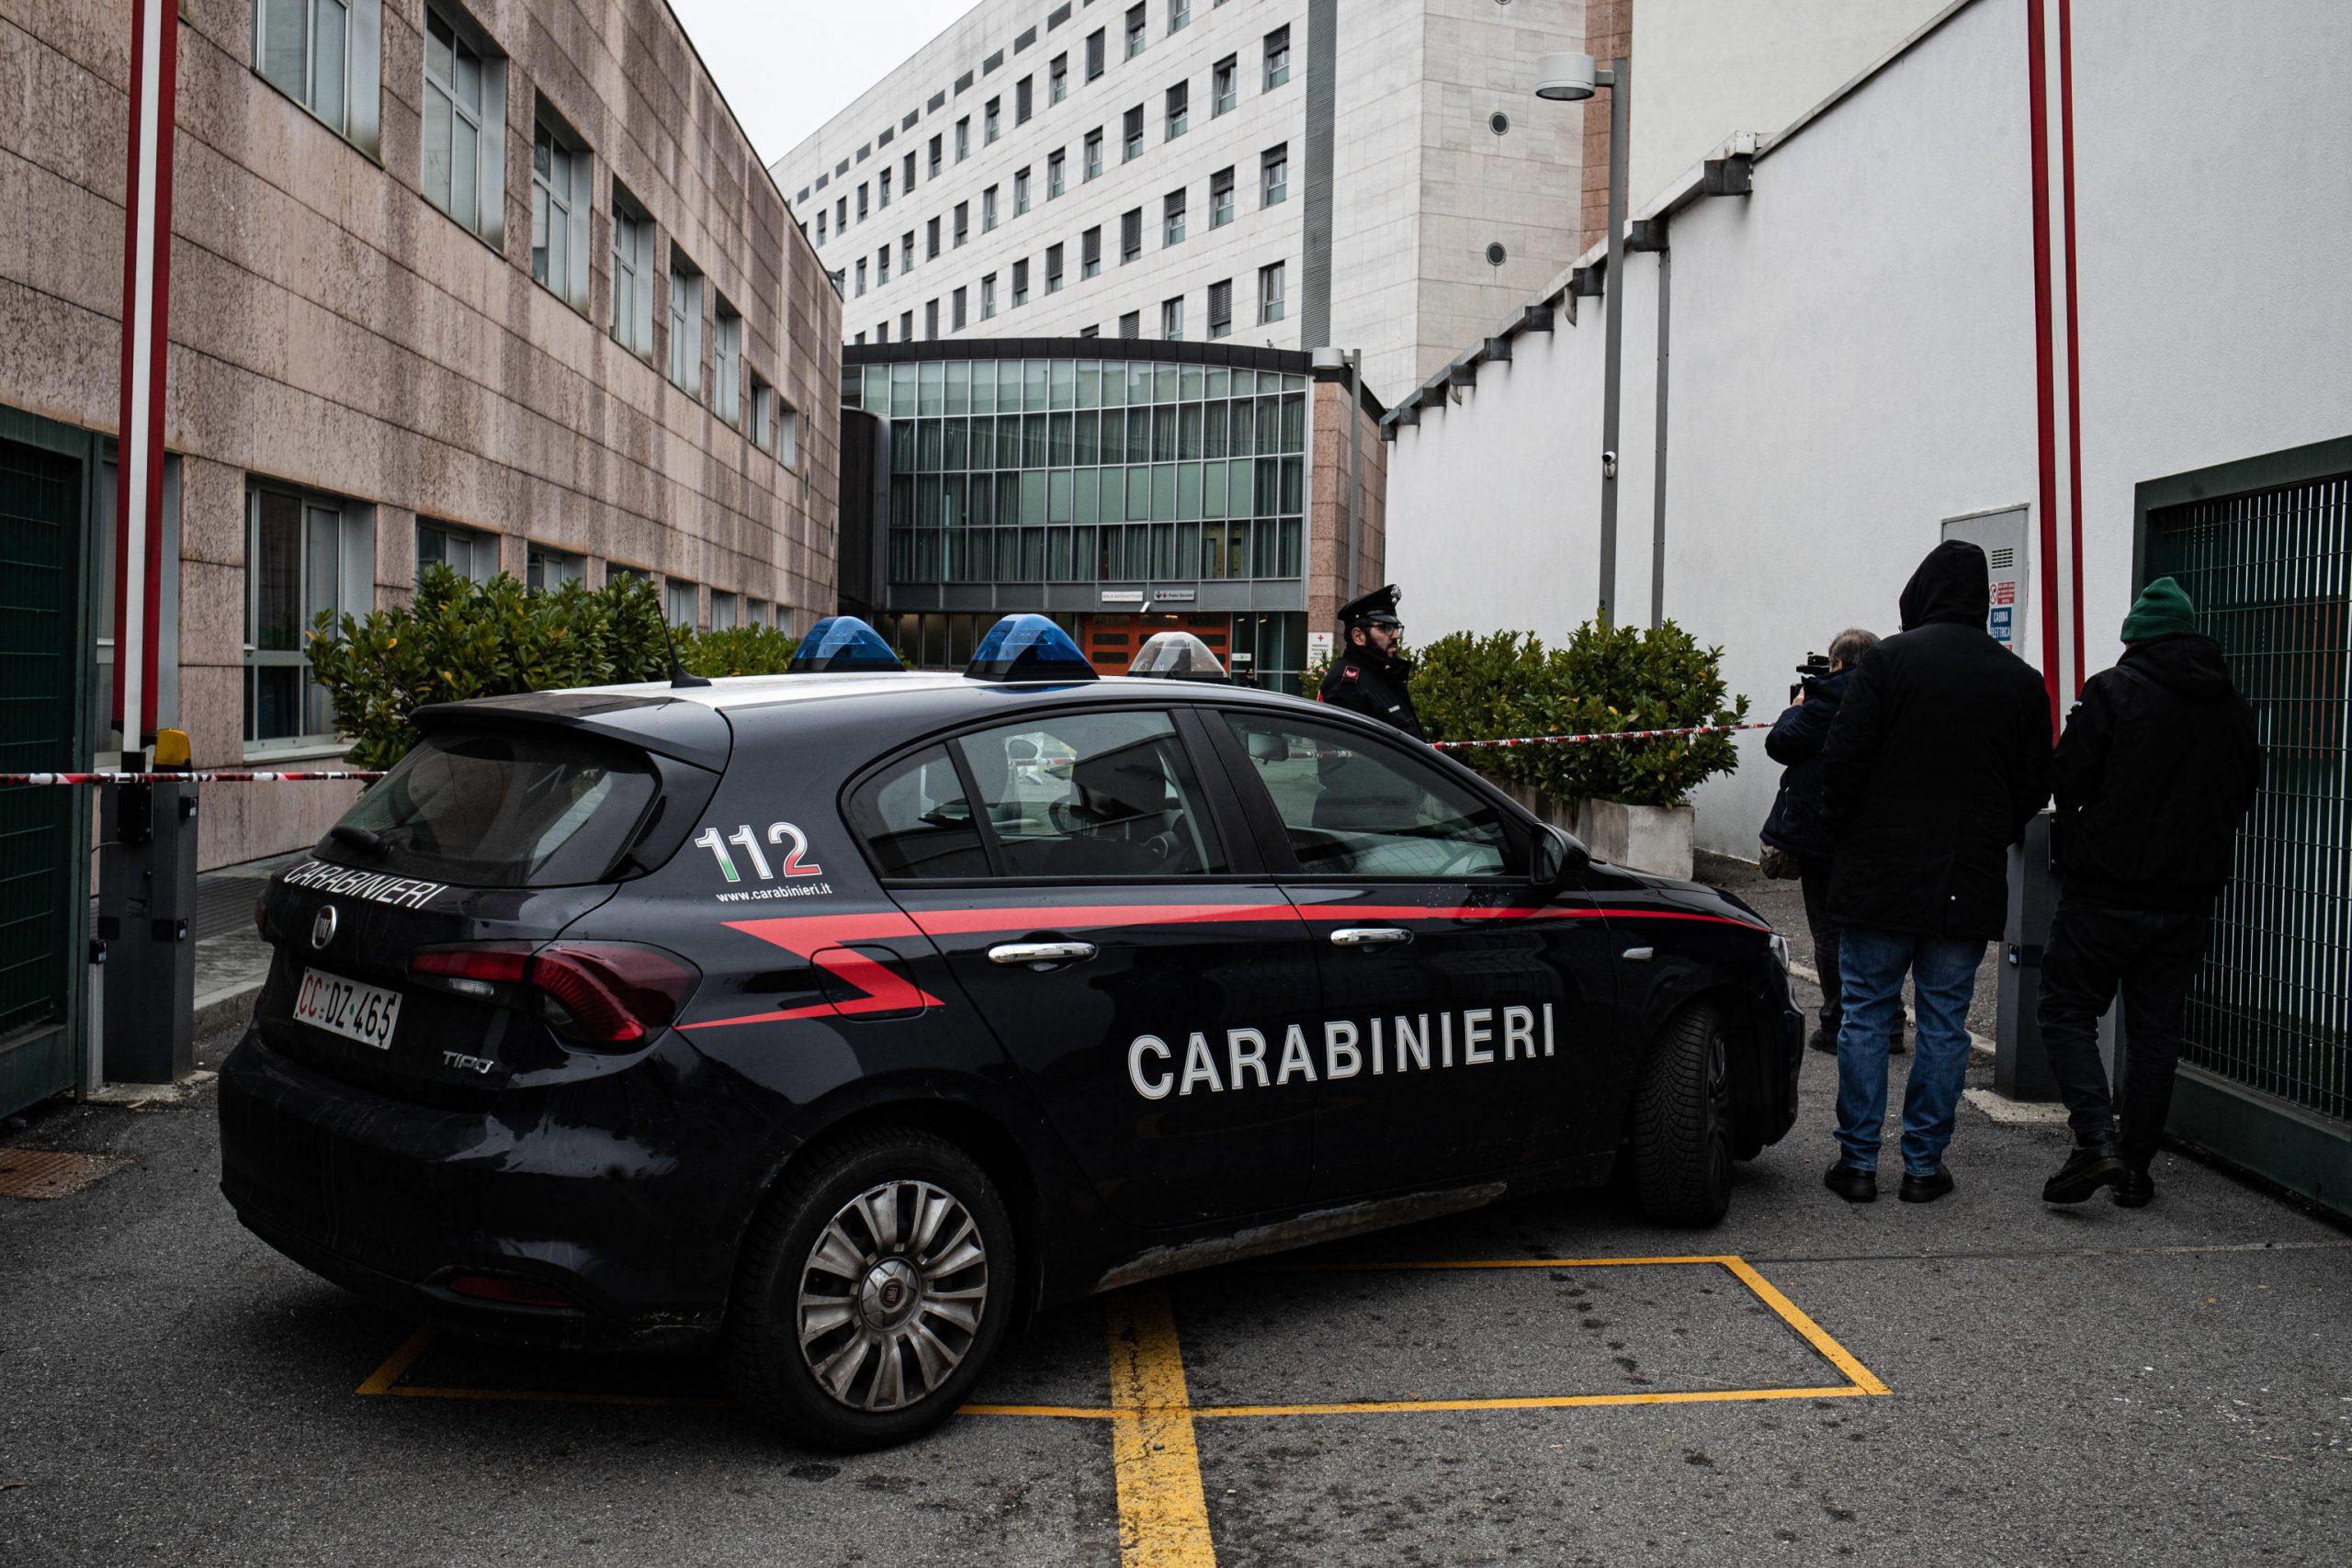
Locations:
(834, 1018)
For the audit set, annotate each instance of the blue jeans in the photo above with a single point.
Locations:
(1873, 963)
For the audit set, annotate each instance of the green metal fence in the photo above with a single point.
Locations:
(2264, 550)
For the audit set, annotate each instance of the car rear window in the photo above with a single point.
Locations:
(520, 809)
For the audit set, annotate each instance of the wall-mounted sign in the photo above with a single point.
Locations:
(1319, 645)
(1172, 595)
(1123, 595)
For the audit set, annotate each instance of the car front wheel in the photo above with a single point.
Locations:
(1682, 1121)
(873, 1289)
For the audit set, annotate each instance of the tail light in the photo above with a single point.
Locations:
(594, 992)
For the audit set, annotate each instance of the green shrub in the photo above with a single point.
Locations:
(1508, 684)
(460, 638)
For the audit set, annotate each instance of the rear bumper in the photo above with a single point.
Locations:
(392, 1199)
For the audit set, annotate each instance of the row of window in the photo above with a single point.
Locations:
(1239, 548)
(1271, 305)
(925, 389)
(1176, 120)
(308, 554)
(325, 54)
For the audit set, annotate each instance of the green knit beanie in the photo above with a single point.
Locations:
(2161, 610)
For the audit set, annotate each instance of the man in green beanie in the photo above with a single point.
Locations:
(2159, 765)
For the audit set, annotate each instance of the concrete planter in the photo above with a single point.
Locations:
(1659, 839)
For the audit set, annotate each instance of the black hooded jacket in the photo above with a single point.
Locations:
(1372, 683)
(2158, 765)
(1937, 758)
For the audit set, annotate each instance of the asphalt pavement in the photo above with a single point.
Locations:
(2089, 1385)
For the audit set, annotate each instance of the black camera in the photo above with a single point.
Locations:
(1816, 666)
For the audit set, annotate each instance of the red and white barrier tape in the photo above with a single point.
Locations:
(1596, 734)
(217, 776)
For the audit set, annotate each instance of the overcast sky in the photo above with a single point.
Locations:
(787, 66)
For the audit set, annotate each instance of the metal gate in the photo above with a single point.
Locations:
(46, 476)
(2263, 548)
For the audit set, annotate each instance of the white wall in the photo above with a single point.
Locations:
(1853, 347)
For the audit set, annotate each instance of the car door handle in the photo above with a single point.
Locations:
(1638, 955)
(1040, 951)
(1370, 936)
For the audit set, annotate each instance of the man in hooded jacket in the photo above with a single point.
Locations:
(1939, 757)
(2158, 765)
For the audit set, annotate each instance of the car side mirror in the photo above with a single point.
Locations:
(1560, 860)
(1265, 746)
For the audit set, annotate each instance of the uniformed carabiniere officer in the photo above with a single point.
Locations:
(1370, 675)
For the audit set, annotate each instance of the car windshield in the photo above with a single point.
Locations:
(518, 809)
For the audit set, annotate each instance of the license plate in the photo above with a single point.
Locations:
(365, 1013)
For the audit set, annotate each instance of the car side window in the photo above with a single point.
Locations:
(1356, 808)
(1093, 795)
(916, 819)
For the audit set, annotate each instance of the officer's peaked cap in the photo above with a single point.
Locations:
(1377, 608)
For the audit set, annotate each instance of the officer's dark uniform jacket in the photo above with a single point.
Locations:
(1372, 683)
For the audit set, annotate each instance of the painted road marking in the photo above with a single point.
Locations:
(1163, 1513)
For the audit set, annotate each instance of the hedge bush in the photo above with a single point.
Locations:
(1506, 683)
(460, 638)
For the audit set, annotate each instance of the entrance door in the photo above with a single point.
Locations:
(1479, 1005)
(44, 498)
(1157, 1002)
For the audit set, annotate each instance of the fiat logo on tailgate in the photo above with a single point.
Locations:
(322, 927)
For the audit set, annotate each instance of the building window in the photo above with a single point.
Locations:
(685, 322)
(841, 214)
(1172, 219)
(862, 189)
(1171, 318)
(1273, 175)
(305, 554)
(931, 241)
(956, 312)
(1019, 192)
(906, 173)
(632, 275)
(722, 611)
(1021, 101)
(907, 251)
(1220, 198)
(1130, 234)
(963, 139)
(1052, 269)
(1131, 137)
(987, 209)
(881, 266)
(1094, 55)
(1055, 164)
(1091, 330)
(1270, 293)
(861, 274)
(884, 180)
(775, 427)
(471, 555)
(992, 122)
(1179, 109)
(726, 361)
(931, 318)
(906, 326)
(962, 223)
(545, 569)
(1136, 29)
(1131, 324)
(1094, 152)
(1058, 79)
(325, 54)
(820, 225)
(1224, 84)
(1221, 308)
(1179, 12)
(678, 601)
(988, 297)
(560, 212)
(1021, 283)
(931, 160)
(1089, 253)
(465, 89)
(1277, 58)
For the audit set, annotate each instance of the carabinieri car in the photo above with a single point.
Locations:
(832, 1019)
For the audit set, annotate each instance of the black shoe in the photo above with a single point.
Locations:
(2089, 1168)
(1926, 1189)
(1852, 1185)
(2134, 1191)
(1896, 1046)
(1823, 1039)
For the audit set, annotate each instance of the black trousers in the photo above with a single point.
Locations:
(2152, 957)
(1813, 878)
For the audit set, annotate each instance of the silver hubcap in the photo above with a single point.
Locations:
(891, 1295)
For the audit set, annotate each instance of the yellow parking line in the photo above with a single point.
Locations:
(382, 1380)
(1836, 1354)
(1528, 1401)
(1163, 1514)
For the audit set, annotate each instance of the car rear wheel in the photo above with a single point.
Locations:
(873, 1289)
(1682, 1121)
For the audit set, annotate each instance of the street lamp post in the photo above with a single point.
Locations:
(1568, 78)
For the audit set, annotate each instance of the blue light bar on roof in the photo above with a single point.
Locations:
(841, 642)
(1028, 648)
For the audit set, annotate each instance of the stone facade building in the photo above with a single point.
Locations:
(497, 283)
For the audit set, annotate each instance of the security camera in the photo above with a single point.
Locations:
(1608, 465)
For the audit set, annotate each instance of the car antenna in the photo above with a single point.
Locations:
(679, 675)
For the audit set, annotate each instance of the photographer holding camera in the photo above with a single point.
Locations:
(1795, 838)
